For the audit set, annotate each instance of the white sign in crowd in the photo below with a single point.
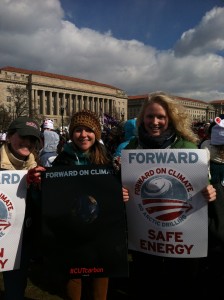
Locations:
(12, 212)
(166, 213)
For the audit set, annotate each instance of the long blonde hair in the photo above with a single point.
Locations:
(177, 116)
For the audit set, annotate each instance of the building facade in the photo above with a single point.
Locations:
(57, 97)
(200, 111)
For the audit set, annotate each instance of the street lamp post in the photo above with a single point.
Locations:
(62, 117)
(207, 113)
(122, 115)
(216, 112)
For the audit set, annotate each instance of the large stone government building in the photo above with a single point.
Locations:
(57, 97)
(200, 111)
(51, 95)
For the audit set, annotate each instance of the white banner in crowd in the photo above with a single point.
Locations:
(166, 213)
(12, 212)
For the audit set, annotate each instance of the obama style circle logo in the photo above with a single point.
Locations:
(165, 200)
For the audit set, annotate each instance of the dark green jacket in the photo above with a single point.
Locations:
(179, 143)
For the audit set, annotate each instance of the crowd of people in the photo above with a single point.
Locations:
(161, 124)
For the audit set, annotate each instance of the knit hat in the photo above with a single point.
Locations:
(217, 135)
(25, 126)
(48, 124)
(88, 119)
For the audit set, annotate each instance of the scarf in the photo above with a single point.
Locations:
(156, 142)
(80, 158)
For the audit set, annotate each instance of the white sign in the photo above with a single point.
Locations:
(12, 212)
(166, 213)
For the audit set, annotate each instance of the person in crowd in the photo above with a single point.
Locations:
(215, 149)
(201, 132)
(207, 134)
(47, 124)
(163, 123)
(130, 131)
(113, 139)
(64, 138)
(49, 151)
(66, 134)
(85, 148)
(2, 138)
(19, 153)
(62, 141)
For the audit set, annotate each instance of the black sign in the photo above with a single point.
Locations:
(83, 221)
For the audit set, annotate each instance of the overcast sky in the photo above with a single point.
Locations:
(139, 46)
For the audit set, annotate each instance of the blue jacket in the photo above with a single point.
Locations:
(130, 132)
